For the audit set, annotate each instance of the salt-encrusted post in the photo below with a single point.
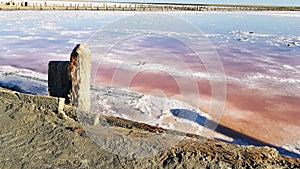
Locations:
(80, 71)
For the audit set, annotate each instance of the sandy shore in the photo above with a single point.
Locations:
(36, 133)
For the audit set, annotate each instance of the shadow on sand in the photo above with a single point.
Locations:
(239, 138)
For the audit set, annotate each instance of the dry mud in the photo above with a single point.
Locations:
(36, 133)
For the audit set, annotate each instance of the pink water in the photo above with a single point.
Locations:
(262, 71)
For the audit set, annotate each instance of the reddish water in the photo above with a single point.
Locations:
(262, 79)
(265, 116)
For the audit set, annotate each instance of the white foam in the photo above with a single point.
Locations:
(202, 75)
(4, 70)
(150, 109)
(277, 85)
(258, 76)
(288, 67)
(74, 32)
(30, 38)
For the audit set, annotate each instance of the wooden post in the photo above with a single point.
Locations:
(59, 84)
(80, 71)
(71, 79)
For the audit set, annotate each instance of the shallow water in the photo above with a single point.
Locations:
(259, 52)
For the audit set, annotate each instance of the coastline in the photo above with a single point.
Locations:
(12, 108)
(134, 6)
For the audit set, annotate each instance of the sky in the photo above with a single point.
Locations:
(256, 2)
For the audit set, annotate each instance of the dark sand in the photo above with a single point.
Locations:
(34, 134)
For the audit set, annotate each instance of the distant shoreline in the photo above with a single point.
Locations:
(135, 6)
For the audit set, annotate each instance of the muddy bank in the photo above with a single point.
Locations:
(36, 132)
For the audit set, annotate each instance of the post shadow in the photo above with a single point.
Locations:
(239, 138)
